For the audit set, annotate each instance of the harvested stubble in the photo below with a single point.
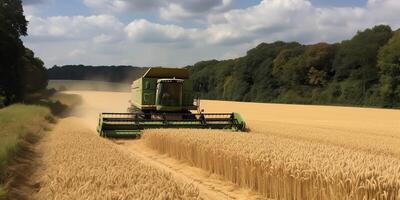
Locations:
(284, 168)
(79, 165)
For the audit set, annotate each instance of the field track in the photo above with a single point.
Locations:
(210, 186)
(369, 131)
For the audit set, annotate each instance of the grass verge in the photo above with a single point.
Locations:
(2, 192)
(21, 125)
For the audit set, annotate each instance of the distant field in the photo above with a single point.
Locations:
(88, 85)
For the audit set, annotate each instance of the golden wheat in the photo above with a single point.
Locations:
(293, 151)
(283, 168)
(371, 130)
(79, 165)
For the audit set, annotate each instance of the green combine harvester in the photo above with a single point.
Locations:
(163, 98)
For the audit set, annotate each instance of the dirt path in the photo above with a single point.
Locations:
(210, 186)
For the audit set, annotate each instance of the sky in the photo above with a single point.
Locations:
(177, 33)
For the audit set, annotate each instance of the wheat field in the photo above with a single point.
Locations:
(375, 131)
(297, 152)
(291, 152)
(76, 164)
(283, 168)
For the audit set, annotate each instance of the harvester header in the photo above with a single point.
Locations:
(164, 98)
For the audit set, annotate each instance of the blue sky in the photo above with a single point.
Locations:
(182, 32)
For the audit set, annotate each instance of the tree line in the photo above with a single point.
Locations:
(21, 73)
(362, 71)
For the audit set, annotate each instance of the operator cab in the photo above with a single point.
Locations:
(169, 94)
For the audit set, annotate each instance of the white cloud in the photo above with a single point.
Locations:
(121, 5)
(193, 9)
(147, 32)
(298, 20)
(75, 27)
(169, 10)
(271, 19)
(104, 39)
(384, 11)
(76, 53)
(175, 11)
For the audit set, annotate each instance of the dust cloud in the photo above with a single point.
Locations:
(95, 102)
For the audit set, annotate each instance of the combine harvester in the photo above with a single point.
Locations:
(163, 98)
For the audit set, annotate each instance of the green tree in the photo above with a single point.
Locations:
(12, 26)
(389, 66)
(34, 76)
(356, 60)
(318, 59)
(11, 50)
(317, 77)
(12, 19)
(20, 71)
(289, 66)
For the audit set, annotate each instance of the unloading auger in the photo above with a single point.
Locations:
(163, 98)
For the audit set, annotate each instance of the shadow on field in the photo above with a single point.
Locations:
(20, 167)
(60, 104)
(57, 108)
